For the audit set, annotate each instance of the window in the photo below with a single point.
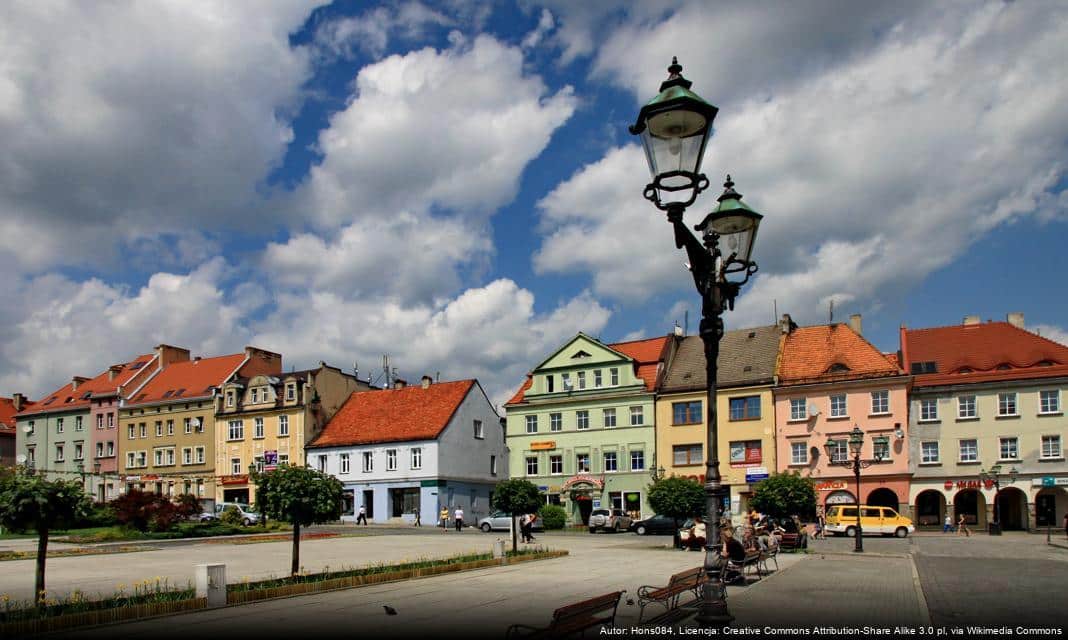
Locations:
(565, 380)
(255, 396)
(417, 458)
(687, 454)
(532, 465)
(929, 452)
(928, 409)
(111, 448)
(532, 424)
(493, 465)
(556, 421)
(637, 460)
(581, 379)
(1049, 401)
(283, 425)
(142, 458)
(187, 425)
(235, 466)
(187, 455)
(880, 401)
(881, 449)
(556, 465)
(142, 429)
(111, 421)
(797, 409)
(99, 421)
(100, 449)
(344, 463)
(478, 430)
(59, 425)
(159, 456)
(130, 459)
(1006, 404)
(78, 455)
(609, 417)
(597, 382)
(391, 459)
(840, 451)
(291, 391)
(170, 427)
(582, 463)
(230, 398)
(969, 450)
(78, 423)
(582, 419)
(798, 453)
(1051, 447)
(321, 459)
(257, 426)
(283, 458)
(59, 453)
(368, 461)
(610, 461)
(838, 406)
(237, 430)
(130, 432)
(686, 412)
(746, 408)
(30, 425)
(159, 428)
(550, 383)
(637, 416)
(614, 376)
(200, 454)
(1010, 448)
(966, 407)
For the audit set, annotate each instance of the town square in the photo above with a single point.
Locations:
(533, 319)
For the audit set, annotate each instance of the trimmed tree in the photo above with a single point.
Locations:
(299, 495)
(32, 503)
(514, 497)
(144, 510)
(785, 494)
(677, 498)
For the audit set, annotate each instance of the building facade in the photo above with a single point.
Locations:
(985, 394)
(405, 453)
(266, 420)
(744, 405)
(830, 380)
(582, 427)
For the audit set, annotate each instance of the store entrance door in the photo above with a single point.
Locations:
(585, 506)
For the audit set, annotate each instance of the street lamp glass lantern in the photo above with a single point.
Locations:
(856, 441)
(735, 225)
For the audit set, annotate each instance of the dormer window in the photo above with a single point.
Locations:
(230, 398)
(837, 367)
(255, 396)
(291, 391)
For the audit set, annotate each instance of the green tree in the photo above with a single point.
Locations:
(552, 516)
(231, 515)
(785, 494)
(299, 495)
(514, 497)
(30, 502)
(677, 498)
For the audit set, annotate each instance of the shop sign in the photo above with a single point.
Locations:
(238, 479)
(830, 485)
(970, 484)
(698, 479)
(151, 476)
(270, 457)
(1049, 481)
(746, 453)
(582, 479)
(841, 497)
(131, 478)
(756, 474)
(543, 445)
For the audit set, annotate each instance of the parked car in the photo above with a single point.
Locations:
(655, 525)
(841, 520)
(248, 515)
(498, 521)
(609, 520)
(206, 516)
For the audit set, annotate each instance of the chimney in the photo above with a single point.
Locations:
(786, 325)
(167, 354)
(1016, 319)
(969, 320)
(113, 371)
(854, 323)
(75, 381)
(398, 383)
(18, 400)
(197, 359)
(678, 330)
(427, 381)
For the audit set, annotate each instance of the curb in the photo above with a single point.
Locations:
(921, 599)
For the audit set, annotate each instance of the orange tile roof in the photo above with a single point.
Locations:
(185, 380)
(395, 415)
(7, 417)
(647, 354)
(986, 352)
(829, 353)
(66, 397)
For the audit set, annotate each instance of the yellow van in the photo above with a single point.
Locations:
(842, 520)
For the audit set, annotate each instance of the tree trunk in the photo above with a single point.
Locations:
(296, 549)
(514, 545)
(42, 555)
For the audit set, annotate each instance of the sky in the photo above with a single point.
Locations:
(453, 183)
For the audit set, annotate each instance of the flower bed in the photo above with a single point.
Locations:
(84, 551)
(278, 537)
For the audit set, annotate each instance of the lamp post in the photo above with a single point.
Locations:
(674, 128)
(994, 475)
(856, 444)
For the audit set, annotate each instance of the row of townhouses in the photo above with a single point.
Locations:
(592, 425)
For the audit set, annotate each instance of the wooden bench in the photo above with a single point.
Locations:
(752, 559)
(668, 596)
(574, 618)
(791, 541)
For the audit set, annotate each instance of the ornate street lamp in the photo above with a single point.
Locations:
(856, 444)
(994, 475)
(674, 128)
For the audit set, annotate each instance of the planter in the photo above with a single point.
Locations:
(18, 628)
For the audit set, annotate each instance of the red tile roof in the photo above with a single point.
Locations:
(647, 353)
(185, 380)
(395, 415)
(830, 353)
(66, 397)
(986, 352)
(7, 417)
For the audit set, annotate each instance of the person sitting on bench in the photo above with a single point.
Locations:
(732, 552)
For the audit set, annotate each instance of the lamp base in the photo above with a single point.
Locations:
(993, 529)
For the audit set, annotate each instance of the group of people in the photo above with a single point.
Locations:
(526, 526)
(962, 526)
(457, 516)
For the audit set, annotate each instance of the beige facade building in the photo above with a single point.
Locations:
(266, 420)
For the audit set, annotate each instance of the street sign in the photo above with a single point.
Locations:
(756, 474)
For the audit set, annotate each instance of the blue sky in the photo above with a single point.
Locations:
(453, 183)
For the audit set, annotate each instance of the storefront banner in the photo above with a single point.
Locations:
(1050, 481)
(756, 474)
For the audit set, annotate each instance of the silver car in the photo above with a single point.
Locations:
(248, 515)
(615, 520)
(498, 521)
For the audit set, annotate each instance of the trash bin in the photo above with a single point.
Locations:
(498, 549)
(993, 529)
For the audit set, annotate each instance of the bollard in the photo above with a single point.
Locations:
(498, 549)
(211, 584)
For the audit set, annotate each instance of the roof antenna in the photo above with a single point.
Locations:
(355, 370)
(775, 310)
(831, 321)
(686, 323)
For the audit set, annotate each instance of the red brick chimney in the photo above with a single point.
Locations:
(18, 400)
(75, 381)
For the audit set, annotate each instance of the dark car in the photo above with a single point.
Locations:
(655, 525)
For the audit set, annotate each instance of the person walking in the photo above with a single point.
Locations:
(458, 516)
(948, 525)
(444, 517)
(363, 515)
(531, 519)
(418, 522)
(962, 527)
(821, 523)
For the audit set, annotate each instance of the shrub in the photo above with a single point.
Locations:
(188, 505)
(552, 516)
(143, 511)
(231, 515)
